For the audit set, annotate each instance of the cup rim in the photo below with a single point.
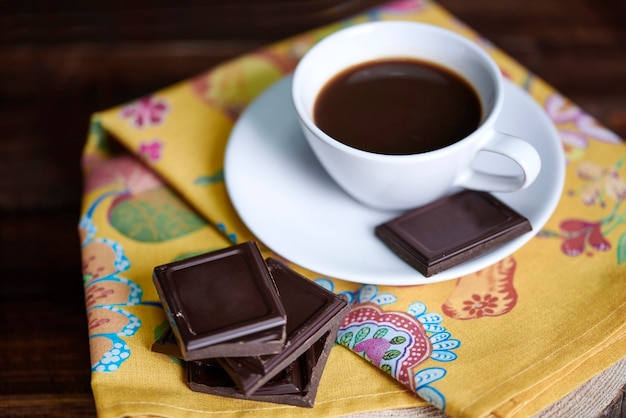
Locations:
(485, 125)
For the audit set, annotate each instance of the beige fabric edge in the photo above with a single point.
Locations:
(588, 400)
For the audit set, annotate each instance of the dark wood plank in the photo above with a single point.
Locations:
(576, 46)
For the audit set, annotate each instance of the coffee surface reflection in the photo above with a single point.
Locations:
(397, 106)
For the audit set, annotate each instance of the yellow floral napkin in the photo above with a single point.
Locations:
(507, 341)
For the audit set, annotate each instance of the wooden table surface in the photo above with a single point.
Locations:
(61, 61)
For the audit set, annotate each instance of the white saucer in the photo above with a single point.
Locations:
(287, 200)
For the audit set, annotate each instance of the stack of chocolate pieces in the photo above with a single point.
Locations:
(247, 328)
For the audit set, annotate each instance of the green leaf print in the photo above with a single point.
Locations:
(386, 368)
(216, 177)
(362, 334)
(391, 354)
(96, 129)
(621, 249)
(381, 333)
(345, 339)
(154, 216)
(399, 339)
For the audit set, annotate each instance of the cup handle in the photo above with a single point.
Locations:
(519, 151)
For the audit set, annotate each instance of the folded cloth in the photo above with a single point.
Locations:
(508, 340)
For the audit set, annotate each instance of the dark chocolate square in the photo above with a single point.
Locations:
(250, 345)
(312, 311)
(210, 374)
(452, 230)
(296, 385)
(218, 300)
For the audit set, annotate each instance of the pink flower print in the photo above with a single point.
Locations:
(565, 114)
(395, 341)
(151, 151)
(479, 306)
(589, 126)
(572, 139)
(374, 348)
(126, 171)
(579, 233)
(561, 111)
(147, 111)
(576, 127)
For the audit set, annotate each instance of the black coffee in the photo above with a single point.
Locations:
(398, 106)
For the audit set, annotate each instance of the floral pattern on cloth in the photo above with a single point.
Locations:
(397, 342)
(576, 128)
(487, 292)
(604, 187)
(106, 295)
(151, 151)
(143, 207)
(145, 112)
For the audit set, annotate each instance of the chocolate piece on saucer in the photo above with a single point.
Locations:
(312, 312)
(452, 230)
(296, 385)
(222, 303)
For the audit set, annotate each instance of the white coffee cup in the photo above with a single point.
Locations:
(401, 182)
